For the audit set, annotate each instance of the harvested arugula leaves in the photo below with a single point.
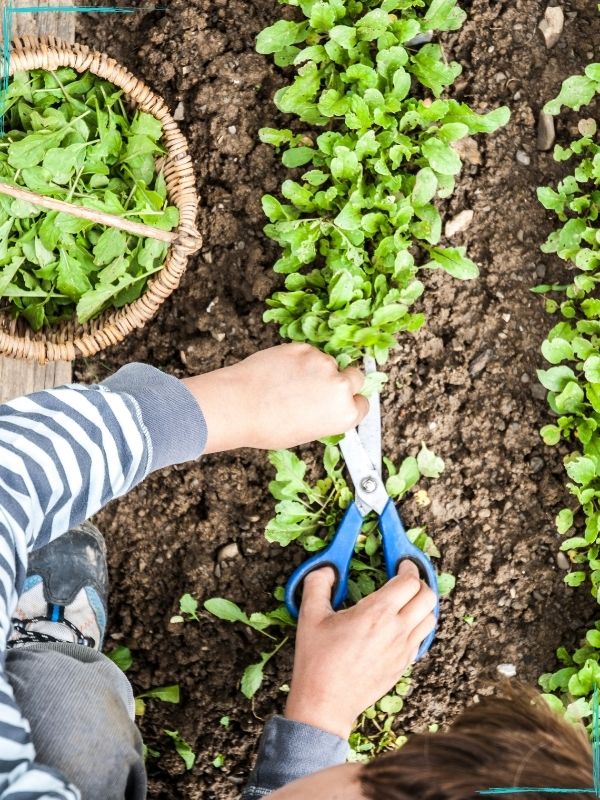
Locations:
(72, 137)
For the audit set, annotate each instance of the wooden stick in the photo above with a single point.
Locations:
(111, 220)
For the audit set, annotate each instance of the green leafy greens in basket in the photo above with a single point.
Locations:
(71, 137)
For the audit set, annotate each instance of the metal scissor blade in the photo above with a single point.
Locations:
(369, 429)
(368, 486)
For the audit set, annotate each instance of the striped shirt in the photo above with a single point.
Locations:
(64, 454)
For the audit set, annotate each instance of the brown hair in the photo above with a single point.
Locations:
(506, 741)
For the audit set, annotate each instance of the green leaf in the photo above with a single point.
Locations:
(593, 638)
(410, 472)
(349, 218)
(147, 125)
(374, 382)
(430, 68)
(111, 244)
(570, 399)
(430, 465)
(341, 290)
(322, 17)
(550, 434)
(72, 279)
(592, 369)
(445, 15)
(92, 302)
(8, 273)
(226, 610)
(168, 694)
(556, 350)
(446, 583)
(564, 520)
(252, 679)
(455, 262)
(425, 188)
(290, 469)
(280, 35)
(30, 151)
(582, 470)
(188, 605)
(182, 748)
(298, 156)
(576, 91)
(121, 656)
(391, 704)
(555, 378)
(575, 578)
(442, 157)
(344, 36)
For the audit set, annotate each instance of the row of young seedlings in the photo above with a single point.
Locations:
(573, 381)
(371, 146)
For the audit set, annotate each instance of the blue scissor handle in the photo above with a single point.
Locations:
(338, 555)
(397, 547)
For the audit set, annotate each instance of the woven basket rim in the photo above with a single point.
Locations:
(70, 340)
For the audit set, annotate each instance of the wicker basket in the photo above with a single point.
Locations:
(71, 340)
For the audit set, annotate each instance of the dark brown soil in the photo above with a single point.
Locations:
(466, 385)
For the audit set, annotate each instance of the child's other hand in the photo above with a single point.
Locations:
(280, 397)
(347, 660)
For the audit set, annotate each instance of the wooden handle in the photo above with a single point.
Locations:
(111, 220)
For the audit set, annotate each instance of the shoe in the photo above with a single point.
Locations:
(65, 595)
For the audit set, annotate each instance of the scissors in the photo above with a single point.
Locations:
(361, 450)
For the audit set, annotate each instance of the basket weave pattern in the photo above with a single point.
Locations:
(71, 340)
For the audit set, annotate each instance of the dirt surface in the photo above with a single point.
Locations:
(466, 385)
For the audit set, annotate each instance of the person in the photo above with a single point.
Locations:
(67, 727)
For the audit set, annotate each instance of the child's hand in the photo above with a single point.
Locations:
(280, 397)
(346, 661)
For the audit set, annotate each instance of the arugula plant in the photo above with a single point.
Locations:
(70, 136)
(572, 348)
(373, 149)
(184, 749)
(373, 145)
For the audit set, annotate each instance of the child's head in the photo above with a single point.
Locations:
(507, 741)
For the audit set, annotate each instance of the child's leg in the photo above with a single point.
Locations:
(79, 704)
(80, 708)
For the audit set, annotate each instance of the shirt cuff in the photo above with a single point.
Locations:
(170, 412)
(291, 750)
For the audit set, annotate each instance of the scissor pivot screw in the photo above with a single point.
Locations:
(368, 485)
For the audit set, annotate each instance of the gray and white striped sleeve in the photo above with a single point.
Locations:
(64, 454)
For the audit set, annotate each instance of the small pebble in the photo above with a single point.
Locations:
(228, 551)
(459, 223)
(562, 561)
(479, 363)
(546, 134)
(232, 129)
(523, 158)
(507, 670)
(179, 112)
(552, 25)
(536, 464)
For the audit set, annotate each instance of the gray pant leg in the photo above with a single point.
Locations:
(80, 708)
